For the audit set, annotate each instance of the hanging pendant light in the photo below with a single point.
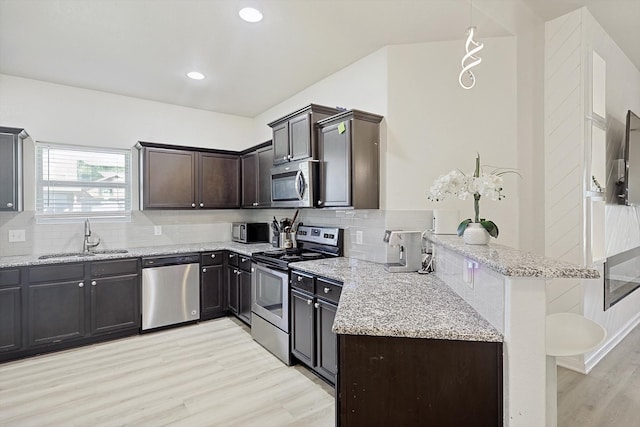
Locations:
(466, 78)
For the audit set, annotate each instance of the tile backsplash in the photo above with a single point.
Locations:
(205, 226)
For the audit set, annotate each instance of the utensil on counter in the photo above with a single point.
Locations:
(295, 216)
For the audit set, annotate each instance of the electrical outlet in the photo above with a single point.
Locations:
(16, 236)
(359, 237)
(157, 230)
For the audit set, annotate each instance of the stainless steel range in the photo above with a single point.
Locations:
(270, 285)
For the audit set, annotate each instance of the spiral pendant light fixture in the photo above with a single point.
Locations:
(466, 78)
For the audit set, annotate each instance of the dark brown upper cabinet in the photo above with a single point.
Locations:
(294, 137)
(349, 154)
(11, 168)
(173, 177)
(256, 177)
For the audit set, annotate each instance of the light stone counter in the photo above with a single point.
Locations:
(375, 302)
(241, 248)
(513, 262)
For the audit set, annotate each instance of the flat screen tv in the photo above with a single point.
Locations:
(632, 160)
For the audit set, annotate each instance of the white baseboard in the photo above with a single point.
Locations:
(575, 363)
(585, 365)
(611, 343)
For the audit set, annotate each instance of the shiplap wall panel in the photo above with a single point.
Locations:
(564, 154)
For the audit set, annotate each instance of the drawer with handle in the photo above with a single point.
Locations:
(212, 258)
(302, 281)
(328, 290)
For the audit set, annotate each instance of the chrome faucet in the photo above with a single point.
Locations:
(87, 244)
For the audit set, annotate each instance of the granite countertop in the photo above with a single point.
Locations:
(241, 248)
(513, 262)
(375, 302)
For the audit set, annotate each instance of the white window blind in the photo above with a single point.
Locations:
(76, 181)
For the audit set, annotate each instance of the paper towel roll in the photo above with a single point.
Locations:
(445, 221)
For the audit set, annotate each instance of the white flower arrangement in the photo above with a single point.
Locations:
(478, 185)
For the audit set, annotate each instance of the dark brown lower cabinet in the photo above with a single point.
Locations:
(68, 302)
(10, 318)
(232, 289)
(244, 297)
(387, 381)
(115, 304)
(239, 286)
(56, 312)
(212, 285)
(312, 340)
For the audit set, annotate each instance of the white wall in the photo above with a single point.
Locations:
(361, 85)
(64, 114)
(622, 223)
(570, 41)
(435, 126)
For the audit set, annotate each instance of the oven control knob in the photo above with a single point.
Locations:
(327, 290)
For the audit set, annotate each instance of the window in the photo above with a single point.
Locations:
(79, 182)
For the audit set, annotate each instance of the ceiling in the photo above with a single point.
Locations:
(144, 48)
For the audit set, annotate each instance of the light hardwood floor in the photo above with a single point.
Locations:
(214, 374)
(609, 396)
(208, 374)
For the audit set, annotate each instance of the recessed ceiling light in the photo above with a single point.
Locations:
(195, 75)
(250, 14)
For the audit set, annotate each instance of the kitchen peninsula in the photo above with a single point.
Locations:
(494, 322)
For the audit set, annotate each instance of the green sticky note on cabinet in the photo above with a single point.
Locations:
(342, 127)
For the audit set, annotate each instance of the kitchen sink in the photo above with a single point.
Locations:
(84, 254)
(110, 251)
(65, 255)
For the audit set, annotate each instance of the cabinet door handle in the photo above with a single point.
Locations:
(201, 205)
(309, 302)
(320, 202)
(204, 270)
(316, 305)
(93, 283)
(327, 290)
(9, 205)
(253, 270)
(232, 255)
(255, 203)
(243, 259)
(300, 279)
(81, 285)
(193, 205)
(213, 255)
(238, 272)
(284, 158)
(235, 271)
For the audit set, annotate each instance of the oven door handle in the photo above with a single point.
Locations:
(299, 183)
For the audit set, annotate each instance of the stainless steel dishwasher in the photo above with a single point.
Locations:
(170, 290)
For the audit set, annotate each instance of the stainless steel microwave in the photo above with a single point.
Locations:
(293, 185)
(250, 232)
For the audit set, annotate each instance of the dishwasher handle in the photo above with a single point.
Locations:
(162, 261)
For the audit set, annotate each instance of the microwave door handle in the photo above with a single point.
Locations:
(299, 185)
